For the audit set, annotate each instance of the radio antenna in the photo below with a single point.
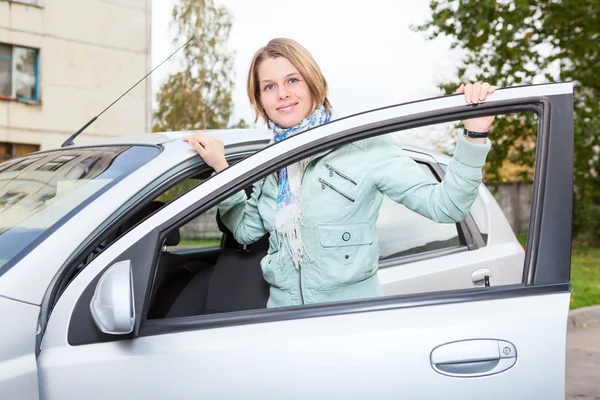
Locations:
(70, 140)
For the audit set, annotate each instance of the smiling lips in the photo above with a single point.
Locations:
(286, 107)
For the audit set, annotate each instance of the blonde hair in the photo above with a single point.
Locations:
(301, 59)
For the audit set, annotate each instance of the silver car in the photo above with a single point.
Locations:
(117, 279)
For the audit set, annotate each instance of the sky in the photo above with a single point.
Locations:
(367, 51)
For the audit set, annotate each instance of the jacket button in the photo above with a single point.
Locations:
(346, 236)
(347, 256)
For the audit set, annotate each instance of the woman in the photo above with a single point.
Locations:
(321, 212)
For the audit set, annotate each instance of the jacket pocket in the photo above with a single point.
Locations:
(342, 235)
(325, 184)
(346, 254)
(271, 268)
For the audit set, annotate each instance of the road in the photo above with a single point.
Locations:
(583, 363)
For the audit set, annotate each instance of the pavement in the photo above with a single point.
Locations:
(583, 355)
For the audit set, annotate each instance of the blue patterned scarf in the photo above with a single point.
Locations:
(288, 210)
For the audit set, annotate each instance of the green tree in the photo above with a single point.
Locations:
(198, 96)
(513, 42)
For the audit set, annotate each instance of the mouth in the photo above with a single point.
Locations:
(286, 107)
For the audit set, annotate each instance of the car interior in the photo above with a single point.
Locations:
(228, 279)
(214, 280)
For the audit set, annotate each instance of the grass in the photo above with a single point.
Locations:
(585, 275)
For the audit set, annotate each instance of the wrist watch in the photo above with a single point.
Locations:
(476, 135)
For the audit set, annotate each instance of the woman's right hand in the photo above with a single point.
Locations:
(210, 148)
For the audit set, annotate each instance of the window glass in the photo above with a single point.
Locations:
(479, 212)
(5, 151)
(10, 150)
(25, 74)
(21, 164)
(56, 163)
(201, 232)
(18, 72)
(403, 232)
(5, 70)
(35, 200)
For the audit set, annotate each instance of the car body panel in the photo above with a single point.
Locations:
(18, 368)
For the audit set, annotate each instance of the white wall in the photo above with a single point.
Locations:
(90, 52)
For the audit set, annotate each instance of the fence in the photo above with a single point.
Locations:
(514, 199)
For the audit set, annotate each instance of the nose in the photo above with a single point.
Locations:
(282, 93)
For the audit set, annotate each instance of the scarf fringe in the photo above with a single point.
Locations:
(287, 224)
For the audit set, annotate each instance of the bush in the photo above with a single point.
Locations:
(586, 224)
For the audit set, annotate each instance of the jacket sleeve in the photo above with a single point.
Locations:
(398, 176)
(242, 217)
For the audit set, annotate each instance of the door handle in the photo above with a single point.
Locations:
(481, 277)
(472, 358)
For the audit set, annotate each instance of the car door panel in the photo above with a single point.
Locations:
(352, 356)
(448, 272)
(377, 348)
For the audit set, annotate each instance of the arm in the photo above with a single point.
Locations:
(241, 216)
(399, 177)
(238, 213)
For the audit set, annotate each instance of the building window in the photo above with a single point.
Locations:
(10, 150)
(19, 73)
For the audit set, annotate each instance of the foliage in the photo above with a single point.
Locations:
(509, 43)
(198, 96)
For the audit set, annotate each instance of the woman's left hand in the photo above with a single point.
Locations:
(474, 93)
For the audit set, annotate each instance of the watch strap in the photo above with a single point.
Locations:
(476, 135)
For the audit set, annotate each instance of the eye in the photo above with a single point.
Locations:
(293, 80)
(270, 86)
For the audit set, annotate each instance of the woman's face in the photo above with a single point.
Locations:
(284, 94)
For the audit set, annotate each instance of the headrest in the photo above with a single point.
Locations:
(173, 239)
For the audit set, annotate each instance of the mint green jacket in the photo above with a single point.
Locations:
(342, 191)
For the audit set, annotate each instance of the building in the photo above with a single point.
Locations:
(64, 61)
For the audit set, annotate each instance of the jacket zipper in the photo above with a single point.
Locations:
(329, 185)
(332, 170)
(300, 284)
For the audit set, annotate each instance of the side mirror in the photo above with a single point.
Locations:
(112, 306)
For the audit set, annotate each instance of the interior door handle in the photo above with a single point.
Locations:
(481, 277)
(472, 358)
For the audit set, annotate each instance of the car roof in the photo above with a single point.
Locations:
(228, 136)
(233, 137)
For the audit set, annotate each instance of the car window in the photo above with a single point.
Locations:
(479, 212)
(402, 232)
(201, 232)
(238, 276)
(365, 205)
(38, 193)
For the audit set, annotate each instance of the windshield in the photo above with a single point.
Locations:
(40, 192)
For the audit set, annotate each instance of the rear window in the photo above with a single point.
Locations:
(40, 192)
